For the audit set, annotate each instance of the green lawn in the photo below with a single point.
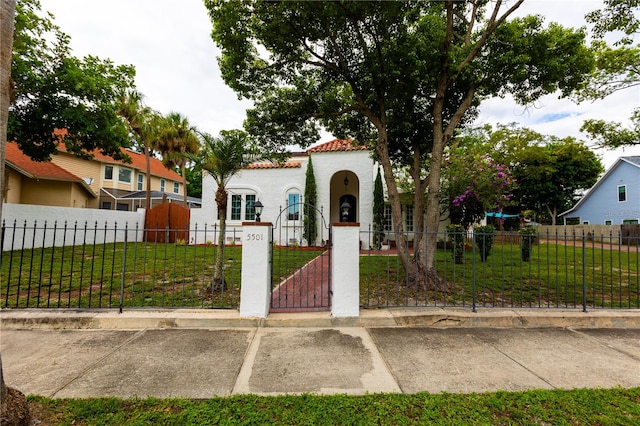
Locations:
(168, 275)
(555, 276)
(535, 407)
(155, 275)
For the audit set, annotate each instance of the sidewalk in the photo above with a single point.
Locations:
(200, 354)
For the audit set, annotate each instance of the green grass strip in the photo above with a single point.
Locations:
(615, 406)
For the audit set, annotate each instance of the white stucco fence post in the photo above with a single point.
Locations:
(255, 292)
(345, 269)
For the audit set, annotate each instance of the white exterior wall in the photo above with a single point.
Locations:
(96, 220)
(327, 164)
(271, 187)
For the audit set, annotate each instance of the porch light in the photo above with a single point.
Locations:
(346, 180)
(258, 207)
(345, 209)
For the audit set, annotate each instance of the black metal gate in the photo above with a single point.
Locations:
(301, 260)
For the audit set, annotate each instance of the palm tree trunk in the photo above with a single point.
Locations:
(221, 201)
(147, 158)
(184, 182)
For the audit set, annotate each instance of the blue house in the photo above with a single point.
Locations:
(613, 200)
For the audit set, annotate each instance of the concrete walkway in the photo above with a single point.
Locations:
(200, 354)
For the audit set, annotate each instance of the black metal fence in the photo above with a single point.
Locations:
(72, 265)
(520, 271)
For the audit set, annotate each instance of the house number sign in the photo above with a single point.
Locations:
(255, 237)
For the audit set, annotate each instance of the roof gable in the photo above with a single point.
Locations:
(43, 170)
(631, 160)
(634, 160)
(36, 169)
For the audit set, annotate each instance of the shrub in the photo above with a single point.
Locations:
(456, 238)
(483, 238)
(527, 239)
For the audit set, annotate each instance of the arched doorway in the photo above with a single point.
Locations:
(345, 186)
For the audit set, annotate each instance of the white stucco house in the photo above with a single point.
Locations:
(343, 172)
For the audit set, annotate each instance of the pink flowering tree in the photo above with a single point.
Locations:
(474, 184)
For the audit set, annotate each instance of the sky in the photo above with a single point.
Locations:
(169, 44)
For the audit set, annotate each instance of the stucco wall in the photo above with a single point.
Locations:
(272, 185)
(14, 186)
(26, 217)
(44, 192)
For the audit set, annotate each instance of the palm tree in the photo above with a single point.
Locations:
(222, 158)
(144, 124)
(177, 140)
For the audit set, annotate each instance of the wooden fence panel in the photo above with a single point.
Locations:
(167, 223)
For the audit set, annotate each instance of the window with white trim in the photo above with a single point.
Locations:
(108, 172)
(249, 207)
(176, 187)
(140, 181)
(388, 222)
(124, 175)
(236, 207)
(163, 184)
(293, 206)
(622, 193)
(408, 217)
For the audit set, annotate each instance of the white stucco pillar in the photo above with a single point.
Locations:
(345, 269)
(255, 292)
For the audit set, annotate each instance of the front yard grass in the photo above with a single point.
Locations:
(155, 275)
(534, 407)
(169, 275)
(555, 277)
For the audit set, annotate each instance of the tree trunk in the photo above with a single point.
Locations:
(184, 183)
(218, 273)
(147, 158)
(6, 51)
(553, 214)
(13, 405)
(3, 387)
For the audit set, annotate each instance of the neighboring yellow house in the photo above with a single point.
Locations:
(101, 182)
(43, 183)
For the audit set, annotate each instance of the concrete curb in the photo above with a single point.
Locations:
(395, 317)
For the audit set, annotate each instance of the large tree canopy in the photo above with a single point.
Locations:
(550, 173)
(53, 89)
(617, 68)
(399, 77)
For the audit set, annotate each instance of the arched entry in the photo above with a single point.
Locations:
(345, 186)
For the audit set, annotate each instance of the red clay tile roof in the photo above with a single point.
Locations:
(338, 145)
(267, 165)
(34, 169)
